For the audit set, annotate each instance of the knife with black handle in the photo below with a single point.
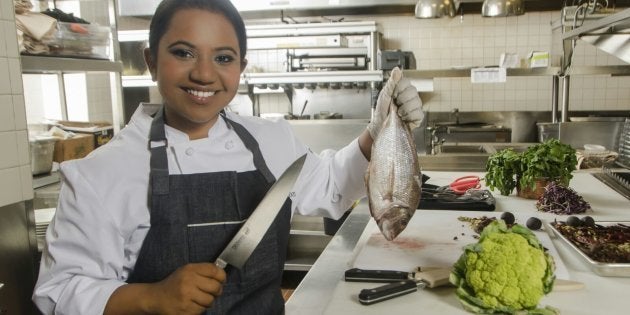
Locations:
(422, 278)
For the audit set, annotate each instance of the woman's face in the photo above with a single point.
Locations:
(197, 69)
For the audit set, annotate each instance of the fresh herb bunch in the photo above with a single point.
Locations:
(551, 160)
(559, 199)
(501, 170)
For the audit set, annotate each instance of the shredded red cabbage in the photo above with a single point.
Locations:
(559, 199)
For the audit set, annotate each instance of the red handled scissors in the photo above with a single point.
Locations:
(463, 184)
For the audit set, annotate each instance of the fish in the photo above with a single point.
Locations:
(393, 177)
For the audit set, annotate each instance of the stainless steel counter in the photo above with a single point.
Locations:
(315, 290)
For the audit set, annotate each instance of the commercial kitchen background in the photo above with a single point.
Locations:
(439, 43)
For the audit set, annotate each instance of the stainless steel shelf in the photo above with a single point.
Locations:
(462, 73)
(617, 70)
(314, 77)
(43, 64)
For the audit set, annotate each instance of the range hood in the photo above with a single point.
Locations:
(147, 7)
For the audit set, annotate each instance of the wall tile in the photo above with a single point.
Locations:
(6, 113)
(15, 73)
(19, 112)
(10, 35)
(5, 81)
(8, 143)
(6, 10)
(3, 45)
(9, 191)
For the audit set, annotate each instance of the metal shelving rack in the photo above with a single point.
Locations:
(43, 64)
(600, 30)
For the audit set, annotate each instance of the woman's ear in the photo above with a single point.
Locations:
(243, 64)
(148, 58)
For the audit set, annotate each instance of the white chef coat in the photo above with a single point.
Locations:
(103, 216)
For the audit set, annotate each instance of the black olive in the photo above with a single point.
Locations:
(507, 217)
(588, 221)
(533, 223)
(574, 221)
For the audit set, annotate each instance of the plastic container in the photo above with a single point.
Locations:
(80, 40)
(42, 149)
(548, 131)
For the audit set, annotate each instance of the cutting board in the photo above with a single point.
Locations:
(433, 238)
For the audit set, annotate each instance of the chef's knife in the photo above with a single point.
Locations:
(247, 238)
(422, 278)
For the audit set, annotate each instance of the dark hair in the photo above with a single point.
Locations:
(167, 8)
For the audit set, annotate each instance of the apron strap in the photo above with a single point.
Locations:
(159, 161)
(252, 145)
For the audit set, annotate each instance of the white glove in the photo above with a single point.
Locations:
(405, 96)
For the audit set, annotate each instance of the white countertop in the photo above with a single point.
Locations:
(323, 290)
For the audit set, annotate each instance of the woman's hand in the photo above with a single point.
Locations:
(191, 289)
(405, 96)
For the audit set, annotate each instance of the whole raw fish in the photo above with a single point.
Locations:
(393, 176)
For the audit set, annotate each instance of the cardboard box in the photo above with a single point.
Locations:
(102, 131)
(73, 148)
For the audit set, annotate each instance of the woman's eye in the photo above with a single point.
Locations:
(182, 53)
(224, 59)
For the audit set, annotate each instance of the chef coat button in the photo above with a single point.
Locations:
(190, 151)
(229, 145)
(336, 198)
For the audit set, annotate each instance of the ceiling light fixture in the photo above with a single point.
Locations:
(495, 8)
(428, 9)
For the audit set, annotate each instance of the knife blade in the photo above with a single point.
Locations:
(249, 235)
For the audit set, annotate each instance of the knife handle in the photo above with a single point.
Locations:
(386, 292)
(364, 275)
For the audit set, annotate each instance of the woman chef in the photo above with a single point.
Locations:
(130, 239)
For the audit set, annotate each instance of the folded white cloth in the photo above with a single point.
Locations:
(22, 6)
(36, 25)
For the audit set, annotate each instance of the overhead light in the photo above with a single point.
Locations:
(427, 9)
(494, 8)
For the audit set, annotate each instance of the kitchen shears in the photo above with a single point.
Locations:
(463, 184)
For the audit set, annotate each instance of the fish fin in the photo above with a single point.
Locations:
(418, 179)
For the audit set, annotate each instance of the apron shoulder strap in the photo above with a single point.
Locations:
(159, 161)
(252, 145)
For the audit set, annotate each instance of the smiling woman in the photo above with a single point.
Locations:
(193, 175)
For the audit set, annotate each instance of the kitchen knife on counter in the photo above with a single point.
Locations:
(247, 238)
(430, 277)
(401, 283)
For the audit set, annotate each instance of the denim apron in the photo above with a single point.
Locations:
(194, 216)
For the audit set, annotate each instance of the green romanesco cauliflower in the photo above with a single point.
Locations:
(507, 272)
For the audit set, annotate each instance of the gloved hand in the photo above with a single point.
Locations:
(405, 96)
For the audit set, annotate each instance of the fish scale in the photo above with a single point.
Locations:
(393, 178)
